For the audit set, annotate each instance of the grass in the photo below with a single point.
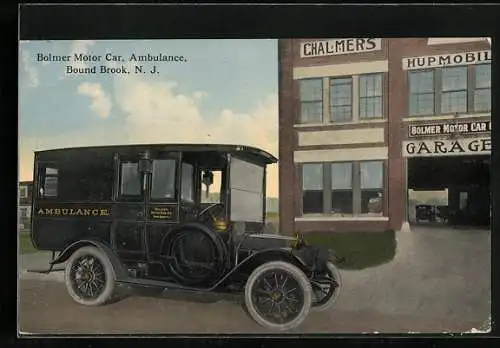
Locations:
(360, 249)
(25, 245)
(272, 216)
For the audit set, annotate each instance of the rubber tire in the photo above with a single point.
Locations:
(338, 278)
(109, 288)
(299, 276)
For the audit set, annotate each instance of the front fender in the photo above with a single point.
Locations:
(120, 270)
(280, 254)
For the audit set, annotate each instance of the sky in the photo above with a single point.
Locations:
(225, 91)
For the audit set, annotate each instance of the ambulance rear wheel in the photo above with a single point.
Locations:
(90, 277)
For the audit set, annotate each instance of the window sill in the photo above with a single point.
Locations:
(324, 217)
(446, 117)
(368, 121)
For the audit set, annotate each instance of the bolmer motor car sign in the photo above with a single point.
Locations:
(449, 128)
(447, 147)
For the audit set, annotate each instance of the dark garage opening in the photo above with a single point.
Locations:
(467, 182)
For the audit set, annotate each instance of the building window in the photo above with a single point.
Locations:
(421, 93)
(343, 188)
(311, 101)
(23, 212)
(450, 89)
(312, 188)
(341, 174)
(340, 99)
(23, 192)
(454, 90)
(163, 180)
(370, 96)
(482, 87)
(372, 184)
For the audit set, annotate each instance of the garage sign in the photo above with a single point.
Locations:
(447, 147)
(449, 128)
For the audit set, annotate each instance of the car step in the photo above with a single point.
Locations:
(157, 284)
(45, 271)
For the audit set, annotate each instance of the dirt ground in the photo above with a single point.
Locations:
(431, 286)
(46, 308)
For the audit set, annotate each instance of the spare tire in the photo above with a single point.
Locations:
(194, 255)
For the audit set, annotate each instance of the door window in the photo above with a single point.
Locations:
(163, 179)
(130, 181)
(187, 185)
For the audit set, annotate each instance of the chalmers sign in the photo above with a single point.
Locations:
(335, 47)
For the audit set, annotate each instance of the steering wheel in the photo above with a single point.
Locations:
(210, 212)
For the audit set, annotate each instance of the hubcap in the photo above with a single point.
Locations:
(277, 296)
(87, 277)
(324, 288)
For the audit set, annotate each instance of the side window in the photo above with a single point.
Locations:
(212, 194)
(130, 179)
(163, 180)
(187, 186)
(49, 180)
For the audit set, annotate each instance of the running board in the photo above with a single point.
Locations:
(159, 284)
(45, 271)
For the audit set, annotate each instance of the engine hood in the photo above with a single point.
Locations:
(267, 241)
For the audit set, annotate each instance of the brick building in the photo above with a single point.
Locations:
(363, 120)
(25, 200)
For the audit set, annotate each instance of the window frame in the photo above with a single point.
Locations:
(126, 197)
(438, 92)
(41, 168)
(381, 97)
(327, 108)
(321, 101)
(23, 212)
(193, 182)
(434, 92)
(23, 189)
(331, 107)
(177, 177)
(442, 92)
(474, 88)
(356, 190)
(322, 190)
(383, 188)
(351, 190)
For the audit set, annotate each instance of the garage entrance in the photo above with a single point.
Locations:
(452, 190)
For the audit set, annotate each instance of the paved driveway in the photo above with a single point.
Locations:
(438, 281)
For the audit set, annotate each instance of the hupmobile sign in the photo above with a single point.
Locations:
(334, 47)
(449, 128)
(447, 147)
(443, 60)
